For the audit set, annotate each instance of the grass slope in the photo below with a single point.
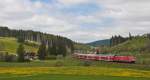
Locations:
(136, 44)
(10, 45)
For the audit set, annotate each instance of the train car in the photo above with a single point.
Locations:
(108, 57)
(128, 59)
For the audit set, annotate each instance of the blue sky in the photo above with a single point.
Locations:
(80, 20)
(44, 1)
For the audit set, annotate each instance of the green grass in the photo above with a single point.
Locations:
(10, 45)
(83, 47)
(69, 62)
(72, 73)
(65, 77)
(32, 70)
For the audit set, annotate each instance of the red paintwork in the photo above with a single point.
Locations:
(128, 59)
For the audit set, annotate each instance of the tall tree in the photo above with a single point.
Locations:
(62, 49)
(21, 39)
(49, 50)
(54, 48)
(42, 53)
(20, 53)
(130, 36)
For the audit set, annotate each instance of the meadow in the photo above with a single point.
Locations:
(72, 69)
(72, 73)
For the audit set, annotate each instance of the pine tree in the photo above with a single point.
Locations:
(21, 40)
(21, 52)
(54, 49)
(42, 53)
(62, 50)
(130, 36)
(49, 50)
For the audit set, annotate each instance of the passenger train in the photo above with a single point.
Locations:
(105, 57)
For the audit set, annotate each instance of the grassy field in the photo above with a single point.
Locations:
(10, 45)
(66, 77)
(72, 69)
(72, 73)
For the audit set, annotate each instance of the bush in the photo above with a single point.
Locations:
(147, 47)
(21, 53)
(10, 58)
(51, 57)
(21, 39)
(59, 57)
(31, 44)
(59, 64)
(2, 56)
(5, 56)
(87, 63)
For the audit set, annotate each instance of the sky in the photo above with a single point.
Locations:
(80, 20)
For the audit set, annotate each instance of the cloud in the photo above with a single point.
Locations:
(72, 2)
(79, 20)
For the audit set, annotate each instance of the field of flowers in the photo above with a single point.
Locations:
(95, 71)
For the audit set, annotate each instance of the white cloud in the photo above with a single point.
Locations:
(127, 16)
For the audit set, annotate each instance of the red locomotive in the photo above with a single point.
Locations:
(102, 57)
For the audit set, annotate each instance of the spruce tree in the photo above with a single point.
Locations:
(49, 50)
(21, 52)
(42, 53)
(54, 49)
(130, 36)
(21, 40)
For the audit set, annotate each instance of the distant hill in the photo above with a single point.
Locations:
(105, 42)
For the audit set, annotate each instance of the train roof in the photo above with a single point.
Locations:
(106, 54)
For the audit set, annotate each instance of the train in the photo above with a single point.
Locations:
(105, 57)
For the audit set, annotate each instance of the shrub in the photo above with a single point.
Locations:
(59, 64)
(147, 47)
(20, 53)
(10, 57)
(2, 56)
(21, 39)
(59, 57)
(87, 63)
(31, 44)
(51, 57)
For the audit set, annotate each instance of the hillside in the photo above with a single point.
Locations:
(53, 41)
(105, 42)
(83, 47)
(137, 47)
(136, 44)
(10, 45)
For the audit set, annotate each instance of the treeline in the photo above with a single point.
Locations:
(115, 40)
(57, 43)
